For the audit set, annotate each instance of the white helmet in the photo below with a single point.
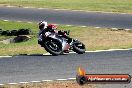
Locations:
(43, 25)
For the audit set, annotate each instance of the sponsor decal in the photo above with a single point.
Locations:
(83, 78)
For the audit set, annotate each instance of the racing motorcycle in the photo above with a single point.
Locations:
(55, 44)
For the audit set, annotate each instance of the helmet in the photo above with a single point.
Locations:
(42, 25)
(52, 27)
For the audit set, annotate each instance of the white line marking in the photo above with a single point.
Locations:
(5, 20)
(56, 24)
(9, 6)
(23, 82)
(123, 13)
(110, 50)
(83, 26)
(121, 49)
(97, 27)
(75, 10)
(59, 9)
(26, 7)
(47, 54)
(40, 8)
(71, 52)
(68, 25)
(56, 9)
(127, 29)
(12, 83)
(5, 56)
(19, 21)
(35, 81)
(47, 80)
(92, 11)
(71, 78)
(30, 22)
(61, 79)
(85, 51)
(32, 7)
(1, 84)
(114, 28)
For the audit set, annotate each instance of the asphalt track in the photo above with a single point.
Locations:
(39, 67)
(67, 17)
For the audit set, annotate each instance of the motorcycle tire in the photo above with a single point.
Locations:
(50, 50)
(79, 49)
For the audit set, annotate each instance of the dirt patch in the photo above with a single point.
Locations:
(54, 84)
(16, 39)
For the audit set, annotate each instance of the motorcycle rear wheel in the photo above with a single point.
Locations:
(53, 46)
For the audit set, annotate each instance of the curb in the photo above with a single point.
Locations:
(47, 54)
(39, 8)
(68, 79)
(112, 29)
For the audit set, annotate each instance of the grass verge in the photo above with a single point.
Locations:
(90, 5)
(94, 39)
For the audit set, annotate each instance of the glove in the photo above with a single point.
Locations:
(60, 32)
(67, 32)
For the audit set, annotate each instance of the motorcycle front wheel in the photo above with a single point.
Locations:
(79, 48)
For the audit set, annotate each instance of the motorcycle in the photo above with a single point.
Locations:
(56, 44)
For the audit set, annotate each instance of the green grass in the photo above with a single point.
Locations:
(90, 5)
(94, 39)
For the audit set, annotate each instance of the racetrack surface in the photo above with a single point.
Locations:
(43, 67)
(67, 17)
(46, 67)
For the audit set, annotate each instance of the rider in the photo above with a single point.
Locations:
(45, 27)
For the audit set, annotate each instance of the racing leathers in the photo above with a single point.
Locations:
(62, 33)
